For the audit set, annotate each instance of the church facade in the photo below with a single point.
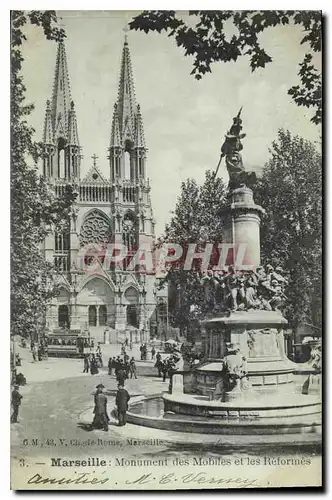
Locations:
(108, 301)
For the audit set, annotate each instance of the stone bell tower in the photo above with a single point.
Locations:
(134, 223)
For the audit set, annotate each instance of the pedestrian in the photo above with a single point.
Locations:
(132, 368)
(126, 342)
(117, 365)
(122, 398)
(101, 418)
(110, 366)
(159, 365)
(40, 353)
(122, 375)
(86, 364)
(99, 360)
(164, 369)
(18, 360)
(141, 351)
(93, 365)
(16, 401)
(130, 346)
(153, 353)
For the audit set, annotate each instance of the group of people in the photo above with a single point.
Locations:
(39, 351)
(166, 366)
(262, 288)
(144, 352)
(101, 418)
(93, 361)
(123, 367)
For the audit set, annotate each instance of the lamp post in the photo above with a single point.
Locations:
(74, 289)
(144, 292)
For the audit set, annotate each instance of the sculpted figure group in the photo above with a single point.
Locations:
(231, 150)
(235, 290)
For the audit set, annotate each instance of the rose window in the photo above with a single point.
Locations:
(96, 229)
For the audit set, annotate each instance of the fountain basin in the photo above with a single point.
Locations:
(227, 418)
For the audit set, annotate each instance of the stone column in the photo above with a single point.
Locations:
(210, 344)
(74, 318)
(97, 314)
(241, 228)
(74, 246)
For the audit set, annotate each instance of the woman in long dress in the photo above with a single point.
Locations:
(93, 365)
(100, 418)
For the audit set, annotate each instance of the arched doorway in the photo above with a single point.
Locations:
(92, 316)
(96, 303)
(102, 315)
(63, 317)
(132, 313)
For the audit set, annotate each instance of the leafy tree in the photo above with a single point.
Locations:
(208, 42)
(35, 210)
(195, 220)
(290, 190)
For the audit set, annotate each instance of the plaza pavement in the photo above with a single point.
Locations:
(57, 404)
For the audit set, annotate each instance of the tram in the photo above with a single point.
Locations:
(65, 345)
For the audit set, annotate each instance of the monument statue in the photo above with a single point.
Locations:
(230, 149)
(260, 289)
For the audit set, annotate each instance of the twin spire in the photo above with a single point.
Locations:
(60, 119)
(127, 125)
(60, 127)
(61, 143)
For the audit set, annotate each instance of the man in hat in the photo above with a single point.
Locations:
(121, 374)
(101, 418)
(121, 401)
(86, 362)
(132, 368)
(16, 402)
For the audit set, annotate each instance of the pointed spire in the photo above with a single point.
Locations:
(126, 96)
(61, 94)
(48, 129)
(139, 132)
(72, 126)
(115, 132)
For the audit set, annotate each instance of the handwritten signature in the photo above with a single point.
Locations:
(193, 478)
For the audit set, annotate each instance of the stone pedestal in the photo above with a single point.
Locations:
(259, 337)
(177, 384)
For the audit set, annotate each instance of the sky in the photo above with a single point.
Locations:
(184, 120)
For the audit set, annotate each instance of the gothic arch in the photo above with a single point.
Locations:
(63, 294)
(97, 276)
(96, 299)
(131, 296)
